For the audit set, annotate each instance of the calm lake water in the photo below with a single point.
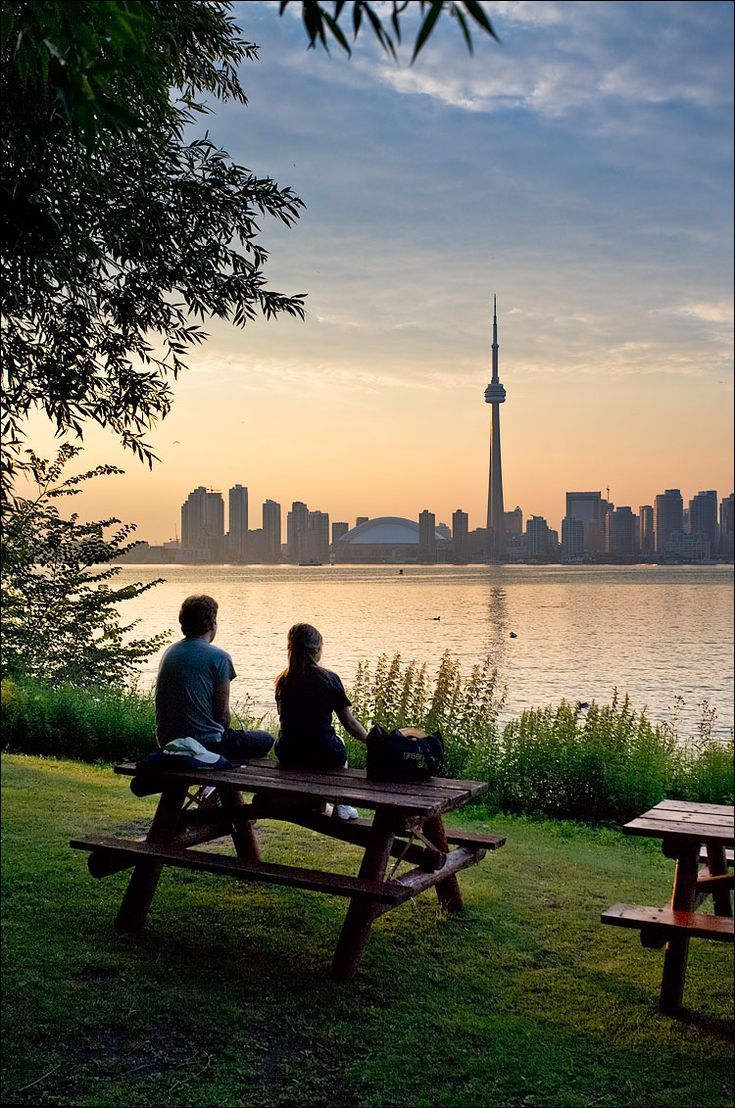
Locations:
(655, 632)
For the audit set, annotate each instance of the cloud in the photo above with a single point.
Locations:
(554, 60)
(718, 312)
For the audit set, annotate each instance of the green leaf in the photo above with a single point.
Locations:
(426, 28)
(477, 12)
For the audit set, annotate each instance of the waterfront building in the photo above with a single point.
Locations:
(256, 546)
(427, 536)
(688, 547)
(238, 524)
(538, 537)
(338, 530)
(495, 396)
(668, 517)
(703, 516)
(460, 530)
(727, 525)
(513, 523)
(621, 532)
(271, 531)
(297, 525)
(360, 520)
(591, 508)
(317, 537)
(572, 537)
(645, 516)
(203, 526)
(386, 539)
(443, 529)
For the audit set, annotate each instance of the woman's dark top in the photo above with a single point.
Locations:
(305, 706)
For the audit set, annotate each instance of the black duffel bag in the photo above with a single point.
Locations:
(406, 754)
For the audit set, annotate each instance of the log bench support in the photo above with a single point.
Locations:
(438, 856)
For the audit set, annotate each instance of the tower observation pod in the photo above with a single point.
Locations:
(495, 396)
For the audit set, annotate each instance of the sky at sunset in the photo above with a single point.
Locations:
(581, 170)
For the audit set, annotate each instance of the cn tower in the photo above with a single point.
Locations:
(495, 396)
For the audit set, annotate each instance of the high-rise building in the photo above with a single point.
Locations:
(238, 523)
(621, 532)
(513, 523)
(727, 525)
(361, 519)
(460, 530)
(427, 536)
(703, 517)
(668, 517)
(591, 509)
(338, 530)
(572, 537)
(645, 515)
(317, 537)
(495, 396)
(203, 525)
(271, 531)
(297, 525)
(538, 538)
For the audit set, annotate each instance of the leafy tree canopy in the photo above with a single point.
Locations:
(121, 234)
(61, 620)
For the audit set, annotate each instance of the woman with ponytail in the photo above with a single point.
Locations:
(306, 696)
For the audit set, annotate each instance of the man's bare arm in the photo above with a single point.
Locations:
(221, 705)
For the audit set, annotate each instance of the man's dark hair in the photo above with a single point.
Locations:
(197, 616)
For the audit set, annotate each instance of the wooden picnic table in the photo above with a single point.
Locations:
(407, 826)
(691, 833)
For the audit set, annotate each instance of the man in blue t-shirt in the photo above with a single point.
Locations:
(193, 689)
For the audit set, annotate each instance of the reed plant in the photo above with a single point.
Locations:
(464, 709)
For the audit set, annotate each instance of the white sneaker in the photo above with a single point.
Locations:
(344, 811)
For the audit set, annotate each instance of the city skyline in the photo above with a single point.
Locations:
(579, 169)
(592, 526)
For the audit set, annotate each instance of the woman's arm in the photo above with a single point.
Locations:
(351, 725)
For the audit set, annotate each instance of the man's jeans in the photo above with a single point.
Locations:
(238, 746)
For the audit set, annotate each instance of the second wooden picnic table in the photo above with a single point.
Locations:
(407, 826)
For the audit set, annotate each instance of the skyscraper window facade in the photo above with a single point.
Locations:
(237, 524)
(703, 517)
(668, 517)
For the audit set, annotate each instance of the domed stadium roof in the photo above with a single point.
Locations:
(388, 530)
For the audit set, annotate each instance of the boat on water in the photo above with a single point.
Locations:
(311, 563)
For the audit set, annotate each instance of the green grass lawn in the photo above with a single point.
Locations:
(524, 999)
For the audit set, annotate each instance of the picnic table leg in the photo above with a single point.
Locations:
(717, 864)
(361, 912)
(448, 891)
(243, 835)
(677, 948)
(144, 880)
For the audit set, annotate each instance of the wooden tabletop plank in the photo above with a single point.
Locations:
(350, 776)
(695, 806)
(356, 790)
(700, 832)
(670, 815)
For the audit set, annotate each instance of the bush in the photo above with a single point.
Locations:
(93, 725)
(605, 764)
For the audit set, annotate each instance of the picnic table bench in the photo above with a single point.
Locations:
(691, 834)
(407, 826)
